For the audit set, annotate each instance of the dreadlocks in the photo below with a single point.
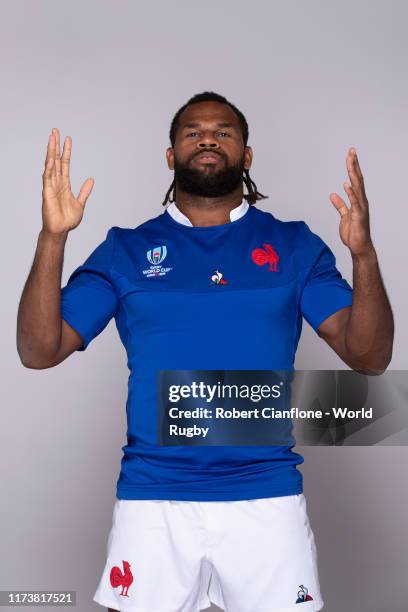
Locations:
(209, 96)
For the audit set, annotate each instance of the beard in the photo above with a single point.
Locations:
(207, 182)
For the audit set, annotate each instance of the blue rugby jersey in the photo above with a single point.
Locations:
(224, 297)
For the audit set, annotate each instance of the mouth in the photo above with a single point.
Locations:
(207, 158)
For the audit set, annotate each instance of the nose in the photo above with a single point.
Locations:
(208, 142)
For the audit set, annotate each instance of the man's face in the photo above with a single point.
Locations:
(209, 156)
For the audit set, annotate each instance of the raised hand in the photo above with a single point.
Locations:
(354, 222)
(61, 211)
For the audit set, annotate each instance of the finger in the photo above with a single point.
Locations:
(85, 191)
(57, 152)
(357, 164)
(354, 201)
(355, 179)
(50, 148)
(66, 156)
(339, 204)
(48, 166)
(363, 199)
(48, 171)
(54, 150)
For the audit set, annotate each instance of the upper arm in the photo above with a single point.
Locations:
(89, 300)
(333, 331)
(326, 297)
(71, 341)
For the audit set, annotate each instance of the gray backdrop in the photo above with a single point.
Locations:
(313, 79)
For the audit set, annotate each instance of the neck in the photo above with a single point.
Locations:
(208, 211)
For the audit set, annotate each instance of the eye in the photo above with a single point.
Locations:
(221, 134)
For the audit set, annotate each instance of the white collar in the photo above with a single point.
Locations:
(177, 215)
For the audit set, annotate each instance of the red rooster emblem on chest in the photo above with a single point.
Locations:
(267, 255)
(124, 580)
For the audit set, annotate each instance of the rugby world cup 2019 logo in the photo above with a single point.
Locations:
(156, 256)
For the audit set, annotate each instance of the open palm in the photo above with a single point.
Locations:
(354, 221)
(61, 210)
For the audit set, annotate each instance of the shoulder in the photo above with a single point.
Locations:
(295, 239)
(297, 232)
(131, 243)
(125, 233)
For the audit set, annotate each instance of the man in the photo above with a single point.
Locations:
(212, 283)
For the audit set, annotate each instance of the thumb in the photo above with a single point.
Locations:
(339, 204)
(85, 191)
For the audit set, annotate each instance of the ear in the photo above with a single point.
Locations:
(248, 155)
(170, 157)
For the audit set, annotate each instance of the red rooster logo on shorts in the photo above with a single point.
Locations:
(267, 255)
(124, 580)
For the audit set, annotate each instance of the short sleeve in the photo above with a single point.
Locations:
(89, 300)
(325, 290)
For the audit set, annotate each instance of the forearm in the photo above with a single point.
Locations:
(39, 317)
(370, 328)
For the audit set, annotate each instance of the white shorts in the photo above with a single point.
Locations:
(180, 556)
